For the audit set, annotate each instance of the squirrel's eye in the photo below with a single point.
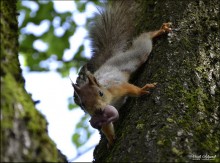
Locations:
(101, 93)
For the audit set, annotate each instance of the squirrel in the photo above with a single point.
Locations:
(102, 85)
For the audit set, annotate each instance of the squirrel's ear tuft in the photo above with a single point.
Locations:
(76, 88)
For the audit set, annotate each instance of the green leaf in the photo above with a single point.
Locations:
(76, 140)
(81, 5)
(82, 132)
(71, 104)
(65, 17)
(46, 11)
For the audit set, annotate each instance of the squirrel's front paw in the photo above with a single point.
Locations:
(166, 27)
(147, 87)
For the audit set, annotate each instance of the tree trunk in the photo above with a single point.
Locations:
(23, 129)
(179, 120)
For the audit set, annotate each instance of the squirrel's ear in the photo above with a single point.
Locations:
(97, 83)
(92, 79)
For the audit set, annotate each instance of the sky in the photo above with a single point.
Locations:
(53, 91)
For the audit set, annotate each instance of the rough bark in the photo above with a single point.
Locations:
(179, 121)
(24, 135)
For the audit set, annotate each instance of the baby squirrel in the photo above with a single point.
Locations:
(101, 92)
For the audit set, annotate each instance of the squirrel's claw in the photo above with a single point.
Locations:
(147, 87)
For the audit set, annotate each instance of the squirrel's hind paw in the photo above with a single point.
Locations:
(111, 143)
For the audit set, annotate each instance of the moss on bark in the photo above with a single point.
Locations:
(24, 134)
(180, 119)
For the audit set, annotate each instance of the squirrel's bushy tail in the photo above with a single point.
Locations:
(112, 28)
(111, 31)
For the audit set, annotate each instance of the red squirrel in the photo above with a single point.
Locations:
(104, 90)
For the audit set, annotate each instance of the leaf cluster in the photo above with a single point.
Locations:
(40, 24)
